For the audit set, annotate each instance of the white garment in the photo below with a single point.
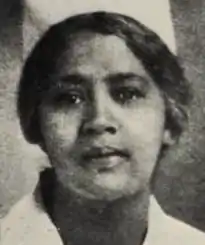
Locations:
(154, 14)
(28, 224)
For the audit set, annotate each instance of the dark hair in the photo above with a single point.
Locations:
(146, 45)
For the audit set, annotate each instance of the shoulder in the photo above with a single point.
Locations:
(28, 223)
(164, 229)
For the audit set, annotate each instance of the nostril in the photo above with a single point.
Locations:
(99, 129)
(111, 130)
(99, 125)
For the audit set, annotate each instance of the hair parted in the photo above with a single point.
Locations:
(146, 45)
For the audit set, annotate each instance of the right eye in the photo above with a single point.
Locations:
(69, 98)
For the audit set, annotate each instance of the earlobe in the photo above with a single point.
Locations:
(168, 138)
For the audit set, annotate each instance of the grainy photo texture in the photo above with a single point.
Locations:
(104, 99)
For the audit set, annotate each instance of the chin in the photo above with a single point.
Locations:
(107, 186)
(105, 191)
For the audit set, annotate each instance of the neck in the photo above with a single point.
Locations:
(120, 222)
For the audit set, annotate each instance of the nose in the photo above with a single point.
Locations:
(98, 126)
(100, 118)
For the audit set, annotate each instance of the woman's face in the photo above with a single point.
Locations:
(103, 121)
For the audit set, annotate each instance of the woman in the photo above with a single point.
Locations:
(104, 98)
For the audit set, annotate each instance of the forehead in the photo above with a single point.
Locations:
(96, 54)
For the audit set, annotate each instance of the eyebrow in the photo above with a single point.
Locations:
(65, 82)
(123, 77)
(74, 79)
(77, 79)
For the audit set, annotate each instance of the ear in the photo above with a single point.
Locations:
(168, 138)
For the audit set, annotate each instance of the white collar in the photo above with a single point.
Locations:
(29, 224)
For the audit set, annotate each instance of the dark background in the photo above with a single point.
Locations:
(181, 178)
(184, 173)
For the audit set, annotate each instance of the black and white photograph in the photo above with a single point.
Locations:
(102, 114)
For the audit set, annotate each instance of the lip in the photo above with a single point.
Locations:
(102, 152)
(103, 158)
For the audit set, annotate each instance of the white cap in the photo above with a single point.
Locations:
(153, 13)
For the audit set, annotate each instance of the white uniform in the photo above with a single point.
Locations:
(29, 224)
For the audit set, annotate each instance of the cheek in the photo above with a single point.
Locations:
(145, 133)
(60, 130)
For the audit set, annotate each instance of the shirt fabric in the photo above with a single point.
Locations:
(29, 224)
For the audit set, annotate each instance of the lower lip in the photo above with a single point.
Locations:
(104, 164)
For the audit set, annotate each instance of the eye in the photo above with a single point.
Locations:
(69, 98)
(127, 94)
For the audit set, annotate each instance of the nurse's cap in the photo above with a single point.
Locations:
(155, 14)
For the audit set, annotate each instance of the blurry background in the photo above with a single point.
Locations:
(181, 177)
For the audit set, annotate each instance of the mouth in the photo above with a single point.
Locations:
(103, 159)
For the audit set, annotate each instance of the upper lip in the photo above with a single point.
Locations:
(104, 151)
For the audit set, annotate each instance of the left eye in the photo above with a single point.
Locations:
(126, 95)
